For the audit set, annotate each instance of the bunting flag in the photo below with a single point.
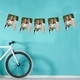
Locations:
(39, 23)
(53, 23)
(11, 21)
(26, 23)
(69, 21)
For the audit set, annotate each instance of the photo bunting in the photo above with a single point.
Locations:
(12, 21)
(39, 24)
(53, 24)
(69, 21)
(26, 24)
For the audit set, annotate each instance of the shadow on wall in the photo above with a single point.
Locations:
(42, 64)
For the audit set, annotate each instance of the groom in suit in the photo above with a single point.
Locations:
(42, 25)
(57, 26)
(14, 24)
(29, 25)
(72, 21)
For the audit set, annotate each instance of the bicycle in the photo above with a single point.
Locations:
(18, 64)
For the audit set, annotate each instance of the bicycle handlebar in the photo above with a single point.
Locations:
(12, 42)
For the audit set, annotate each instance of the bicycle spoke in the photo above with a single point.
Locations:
(13, 64)
(23, 70)
(17, 57)
(20, 57)
(12, 60)
(24, 60)
(20, 60)
(15, 72)
(25, 65)
(13, 69)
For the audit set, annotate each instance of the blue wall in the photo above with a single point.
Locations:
(52, 54)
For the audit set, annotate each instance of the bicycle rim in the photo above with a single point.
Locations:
(20, 70)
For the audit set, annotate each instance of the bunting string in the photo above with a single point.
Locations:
(3, 12)
(19, 16)
(77, 12)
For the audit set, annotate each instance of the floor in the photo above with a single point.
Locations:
(40, 78)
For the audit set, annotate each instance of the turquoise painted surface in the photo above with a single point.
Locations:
(52, 54)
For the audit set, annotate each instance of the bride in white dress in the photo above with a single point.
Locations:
(51, 26)
(23, 25)
(9, 22)
(67, 22)
(14, 23)
(37, 26)
(72, 21)
(42, 25)
(29, 25)
(57, 25)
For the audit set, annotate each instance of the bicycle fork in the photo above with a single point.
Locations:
(12, 51)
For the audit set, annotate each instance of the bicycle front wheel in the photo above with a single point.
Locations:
(21, 70)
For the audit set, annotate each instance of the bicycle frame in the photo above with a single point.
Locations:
(9, 49)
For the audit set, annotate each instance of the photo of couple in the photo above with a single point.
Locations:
(39, 24)
(11, 21)
(53, 24)
(26, 23)
(69, 21)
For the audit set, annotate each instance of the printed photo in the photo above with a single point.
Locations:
(39, 24)
(12, 21)
(69, 21)
(26, 24)
(53, 24)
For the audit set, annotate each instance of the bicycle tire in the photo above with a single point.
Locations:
(16, 54)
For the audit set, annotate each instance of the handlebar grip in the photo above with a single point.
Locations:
(12, 42)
